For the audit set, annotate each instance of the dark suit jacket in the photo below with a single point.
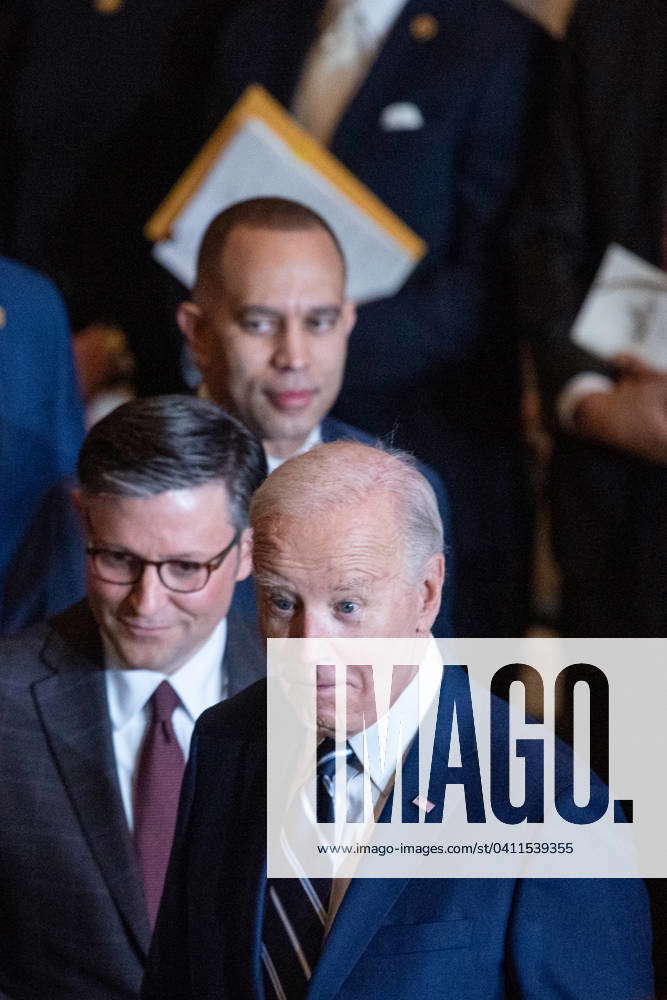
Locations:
(457, 939)
(599, 176)
(435, 361)
(72, 914)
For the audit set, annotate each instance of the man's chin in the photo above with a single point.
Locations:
(284, 436)
(145, 653)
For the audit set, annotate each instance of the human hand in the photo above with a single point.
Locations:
(632, 415)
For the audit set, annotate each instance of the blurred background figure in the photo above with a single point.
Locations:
(97, 108)
(591, 185)
(430, 110)
(41, 415)
(600, 176)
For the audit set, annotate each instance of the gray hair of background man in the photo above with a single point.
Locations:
(347, 472)
(279, 214)
(149, 446)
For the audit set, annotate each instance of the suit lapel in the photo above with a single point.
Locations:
(363, 908)
(72, 706)
(401, 58)
(368, 900)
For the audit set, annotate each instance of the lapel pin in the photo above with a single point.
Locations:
(3, 318)
(423, 803)
(108, 6)
(424, 27)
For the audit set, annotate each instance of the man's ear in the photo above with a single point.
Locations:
(190, 319)
(244, 567)
(433, 577)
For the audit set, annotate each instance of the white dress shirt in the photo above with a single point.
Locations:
(339, 60)
(199, 683)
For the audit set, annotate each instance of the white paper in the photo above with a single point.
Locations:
(625, 310)
(256, 162)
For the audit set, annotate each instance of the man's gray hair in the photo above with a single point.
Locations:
(347, 472)
(150, 446)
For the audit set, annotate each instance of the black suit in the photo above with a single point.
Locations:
(600, 176)
(72, 915)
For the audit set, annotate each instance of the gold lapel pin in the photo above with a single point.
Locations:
(3, 318)
(424, 27)
(108, 6)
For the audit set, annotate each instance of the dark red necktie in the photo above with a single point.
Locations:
(156, 791)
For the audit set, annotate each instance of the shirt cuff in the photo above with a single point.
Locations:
(574, 391)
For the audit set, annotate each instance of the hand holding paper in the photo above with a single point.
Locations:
(625, 311)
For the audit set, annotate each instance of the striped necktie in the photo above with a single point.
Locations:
(296, 908)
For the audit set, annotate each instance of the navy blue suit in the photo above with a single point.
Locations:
(41, 417)
(398, 939)
(436, 362)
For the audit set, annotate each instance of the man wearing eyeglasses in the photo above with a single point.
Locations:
(98, 705)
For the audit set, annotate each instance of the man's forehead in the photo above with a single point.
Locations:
(353, 539)
(250, 250)
(180, 501)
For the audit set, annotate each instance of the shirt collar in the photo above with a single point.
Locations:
(198, 683)
(402, 720)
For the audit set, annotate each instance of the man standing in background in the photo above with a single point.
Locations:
(268, 325)
(429, 107)
(600, 177)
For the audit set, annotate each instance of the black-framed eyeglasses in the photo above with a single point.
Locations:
(180, 575)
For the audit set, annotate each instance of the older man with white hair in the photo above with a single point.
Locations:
(348, 543)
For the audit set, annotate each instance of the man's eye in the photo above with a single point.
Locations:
(258, 325)
(117, 558)
(322, 322)
(347, 607)
(182, 568)
(281, 604)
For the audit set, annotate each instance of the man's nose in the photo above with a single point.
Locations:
(292, 347)
(148, 594)
(310, 623)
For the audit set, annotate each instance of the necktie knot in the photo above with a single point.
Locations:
(328, 756)
(163, 702)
